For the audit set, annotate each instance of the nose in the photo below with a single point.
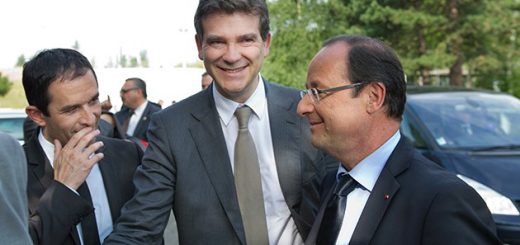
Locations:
(305, 106)
(89, 115)
(232, 53)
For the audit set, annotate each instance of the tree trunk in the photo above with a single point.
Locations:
(424, 72)
(456, 78)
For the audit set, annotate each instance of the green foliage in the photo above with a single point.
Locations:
(5, 85)
(428, 35)
(20, 61)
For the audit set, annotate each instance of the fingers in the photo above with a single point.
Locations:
(57, 148)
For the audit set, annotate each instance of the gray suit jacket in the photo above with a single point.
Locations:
(186, 167)
(13, 201)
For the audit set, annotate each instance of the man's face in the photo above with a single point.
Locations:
(337, 119)
(74, 105)
(233, 52)
(130, 94)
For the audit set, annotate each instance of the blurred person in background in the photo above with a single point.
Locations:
(134, 116)
(205, 80)
(13, 199)
(78, 180)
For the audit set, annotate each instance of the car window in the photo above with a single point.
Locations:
(12, 126)
(409, 130)
(470, 120)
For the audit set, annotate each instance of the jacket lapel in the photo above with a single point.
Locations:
(140, 127)
(284, 132)
(209, 139)
(382, 195)
(38, 165)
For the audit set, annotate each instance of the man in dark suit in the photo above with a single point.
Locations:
(384, 192)
(193, 164)
(77, 180)
(137, 110)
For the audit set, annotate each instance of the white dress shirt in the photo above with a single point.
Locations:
(97, 192)
(366, 174)
(280, 225)
(134, 119)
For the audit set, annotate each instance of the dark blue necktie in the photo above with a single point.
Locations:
(335, 210)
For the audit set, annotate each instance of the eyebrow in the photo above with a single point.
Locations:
(70, 107)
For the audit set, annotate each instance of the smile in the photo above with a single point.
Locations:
(234, 70)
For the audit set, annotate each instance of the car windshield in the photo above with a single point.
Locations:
(470, 120)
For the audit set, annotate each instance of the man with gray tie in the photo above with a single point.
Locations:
(233, 161)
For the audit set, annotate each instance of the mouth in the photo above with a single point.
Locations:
(233, 70)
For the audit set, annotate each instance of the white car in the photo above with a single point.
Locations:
(11, 122)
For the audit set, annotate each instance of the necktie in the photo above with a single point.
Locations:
(248, 182)
(88, 224)
(333, 216)
(127, 121)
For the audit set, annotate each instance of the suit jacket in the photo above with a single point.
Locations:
(187, 167)
(13, 201)
(144, 121)
(414, 201)
(55, 210)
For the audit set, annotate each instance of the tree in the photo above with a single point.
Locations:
(143, 55)
(5, 85)
(75, 46)
(20, 61)
(459, 35)
(133, 62)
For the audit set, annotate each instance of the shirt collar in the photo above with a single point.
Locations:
(140, 109)
(48, 147)
(367, 171)
(226, 107)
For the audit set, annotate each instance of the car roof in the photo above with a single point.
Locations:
(415, 89)
(12, 113)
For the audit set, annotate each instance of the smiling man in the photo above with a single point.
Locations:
(225, 185)
(384, 192)
(77, 180)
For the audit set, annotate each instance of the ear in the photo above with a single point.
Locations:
(376, 96)
(267, 44)
(199, 45)
(36, 115)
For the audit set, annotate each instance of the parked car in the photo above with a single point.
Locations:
(476, 135)
(11, 122)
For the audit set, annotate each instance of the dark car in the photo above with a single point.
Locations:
(476, 135)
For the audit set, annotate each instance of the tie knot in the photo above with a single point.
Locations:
(243, 113)
(345, 185)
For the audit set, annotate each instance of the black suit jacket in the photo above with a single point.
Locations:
(414, 201)
(55, 210)
(144, 121)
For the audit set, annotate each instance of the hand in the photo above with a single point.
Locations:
(73, 162)
(106, 105)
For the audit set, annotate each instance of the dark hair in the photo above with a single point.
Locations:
(48, 66)
(139, 83)
(370, 60)
(254, 7)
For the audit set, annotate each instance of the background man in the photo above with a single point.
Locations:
(77, 183)
(134, 117)
(13, 186)
(354, 103)
(205, 80)
(193, 164)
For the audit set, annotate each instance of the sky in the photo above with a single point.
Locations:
(103, 29)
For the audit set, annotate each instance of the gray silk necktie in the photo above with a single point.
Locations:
(248, 182)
